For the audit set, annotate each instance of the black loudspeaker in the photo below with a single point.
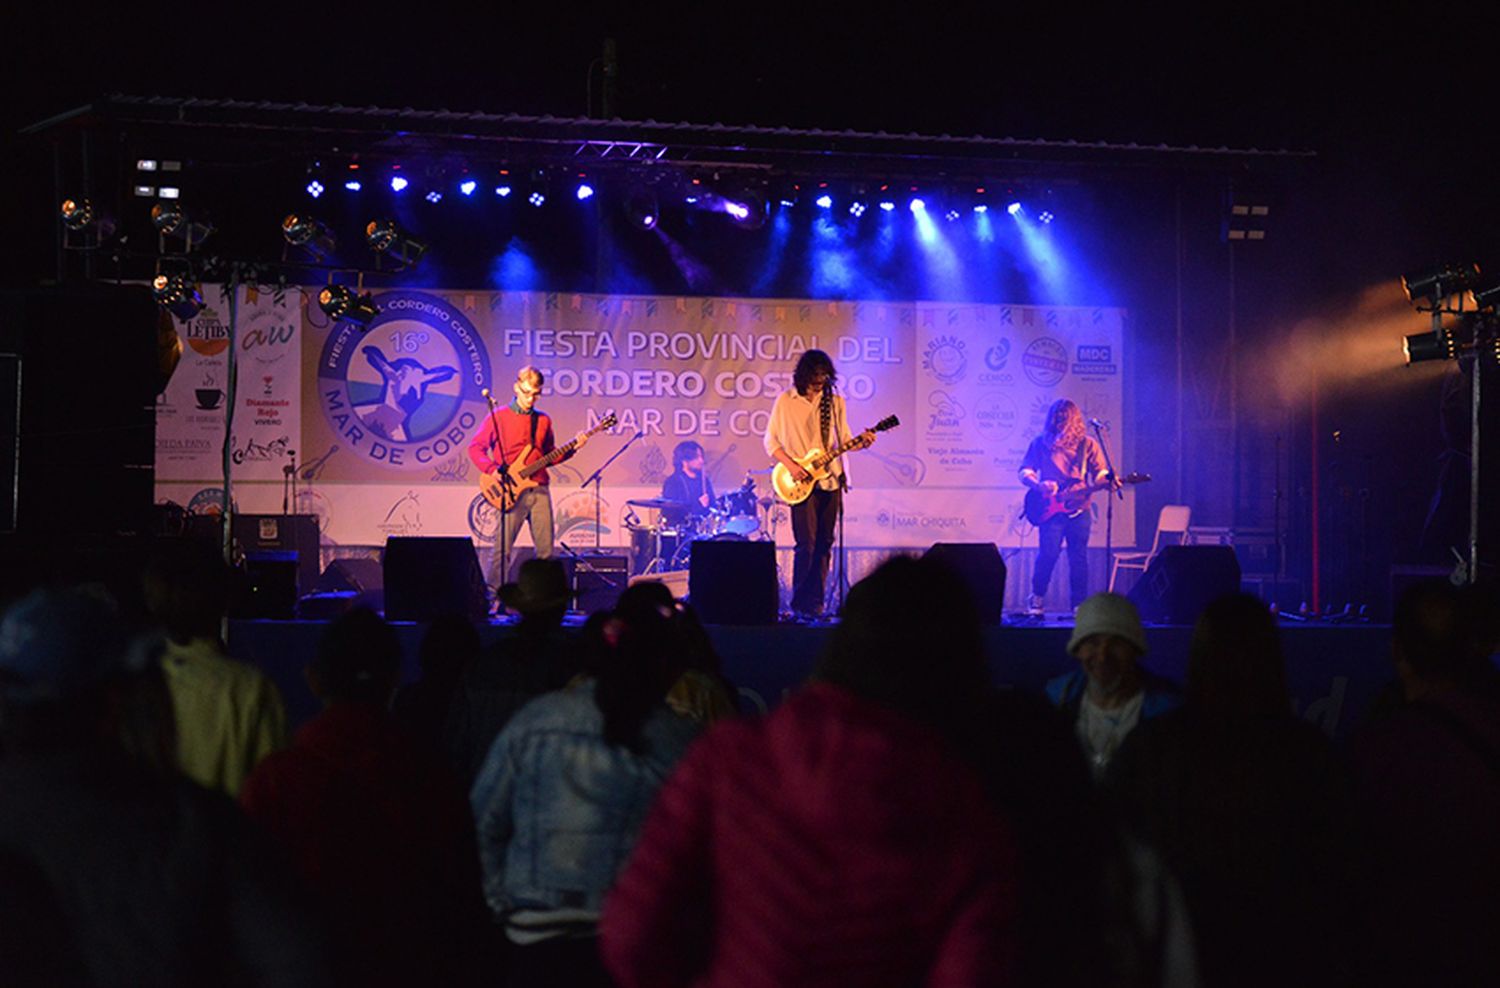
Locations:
(733, 582)
(269, 587)
(355, 574)
(1183, 579)
(283, 533)
(981, 567)
(427, 578)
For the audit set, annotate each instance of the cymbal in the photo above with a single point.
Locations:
(766, 501)
(659, 503)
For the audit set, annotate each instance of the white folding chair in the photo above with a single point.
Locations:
(1172, 524)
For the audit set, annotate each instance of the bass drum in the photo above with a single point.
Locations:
(684, 554)
(645, 547)
(737, 513)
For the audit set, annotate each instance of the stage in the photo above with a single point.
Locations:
(1333, 670)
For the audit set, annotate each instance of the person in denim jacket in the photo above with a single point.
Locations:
(562, 794)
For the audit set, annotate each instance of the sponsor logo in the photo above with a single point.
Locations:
(208, 501)
(484, 520)
(206, 334)
(268, 336)
(1045, 362)
(918, 519)
(1095, 359)
(995, 416)
(405, 516)
(254, 452)
(407, 393)
(996, 356)
(947, 412)
(944, 359)
(453, 470)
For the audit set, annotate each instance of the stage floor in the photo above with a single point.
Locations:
(1333, 670)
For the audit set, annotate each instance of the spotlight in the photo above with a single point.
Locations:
(536, 199)
(77, 214)
(170, 221)
(641, 209)
(315, 188)
(1429, 346)
(301, 230)
(353, 185)
(467, 186)
(824, 201)
(1046, 216)
(503, 191)
(1014, 209)
(585, 191)
(747, 208)
(951, 215)
(340, 302)
(737, 210)
(175, 294)
(1432, 285)
(399, 183)
(857, 209)
(887, 206)
(385, 237)
(918, 206)
(981, 209)
(434, 196)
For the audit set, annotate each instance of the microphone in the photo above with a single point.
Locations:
(1098, 424)
(485, 392)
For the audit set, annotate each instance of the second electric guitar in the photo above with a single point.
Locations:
(817, 462)
(502, 488)
(1070, 499)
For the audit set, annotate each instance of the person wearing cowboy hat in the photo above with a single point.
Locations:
(539, 591)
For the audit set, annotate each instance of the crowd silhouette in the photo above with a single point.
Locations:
(591, 807)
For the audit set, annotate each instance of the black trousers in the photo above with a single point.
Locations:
(814, 523)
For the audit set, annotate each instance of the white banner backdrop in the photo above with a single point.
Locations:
(380, 417)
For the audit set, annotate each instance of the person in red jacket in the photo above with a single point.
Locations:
(519, 430)
(843, 839)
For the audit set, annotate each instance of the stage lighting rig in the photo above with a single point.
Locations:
(642, 209)
(387, 238)
(177, 295)
(341, 302)
(81, 218)
(171, 220)
(310, 234)
(1428, 288)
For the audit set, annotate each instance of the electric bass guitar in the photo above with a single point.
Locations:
(1071, 498)
(502, 487)
(817, 463)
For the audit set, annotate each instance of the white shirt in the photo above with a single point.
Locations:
(1102, 731)
(795, 428)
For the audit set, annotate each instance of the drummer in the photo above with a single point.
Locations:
(689, 485)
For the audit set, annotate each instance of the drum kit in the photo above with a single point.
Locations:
(664, 546)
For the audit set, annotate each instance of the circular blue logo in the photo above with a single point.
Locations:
(408, 390)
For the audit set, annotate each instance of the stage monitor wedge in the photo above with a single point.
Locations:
(428, 578)
(733, 582)
(980, 566)
(1184, 579)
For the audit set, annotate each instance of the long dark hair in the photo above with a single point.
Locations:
(809, 364)
(642, 656)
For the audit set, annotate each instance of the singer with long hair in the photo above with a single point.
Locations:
(1063, 457)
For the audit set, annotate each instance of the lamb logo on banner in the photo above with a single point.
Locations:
(408, 392)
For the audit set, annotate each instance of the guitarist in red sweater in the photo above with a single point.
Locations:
(519, 434)
(1060, 466)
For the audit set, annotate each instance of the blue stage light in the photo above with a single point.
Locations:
(503, 191)
(585, 191)
(857, 209)
(536, 199)
(398, 183)
(353, 185)
(738, 210)
(315, 188)
(789, 203)
(918, 206)
(981, 209)
(951, 215)
(887, 206)
(1046, 216)
(434, 196)
(467, 186)
(1014, 209)
(691, 200)
(824, 201)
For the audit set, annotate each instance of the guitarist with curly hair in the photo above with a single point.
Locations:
(1062, 467)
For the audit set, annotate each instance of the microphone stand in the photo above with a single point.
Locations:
(1109, 511)
(596, 478)
(289, 481)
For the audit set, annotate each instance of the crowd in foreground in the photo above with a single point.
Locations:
(591, 809)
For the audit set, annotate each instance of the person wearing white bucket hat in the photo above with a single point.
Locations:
(1109, 693)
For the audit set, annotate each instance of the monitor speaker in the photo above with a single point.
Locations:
(1184, 579)
(428, 578)
(733, 582)
(980, 566)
